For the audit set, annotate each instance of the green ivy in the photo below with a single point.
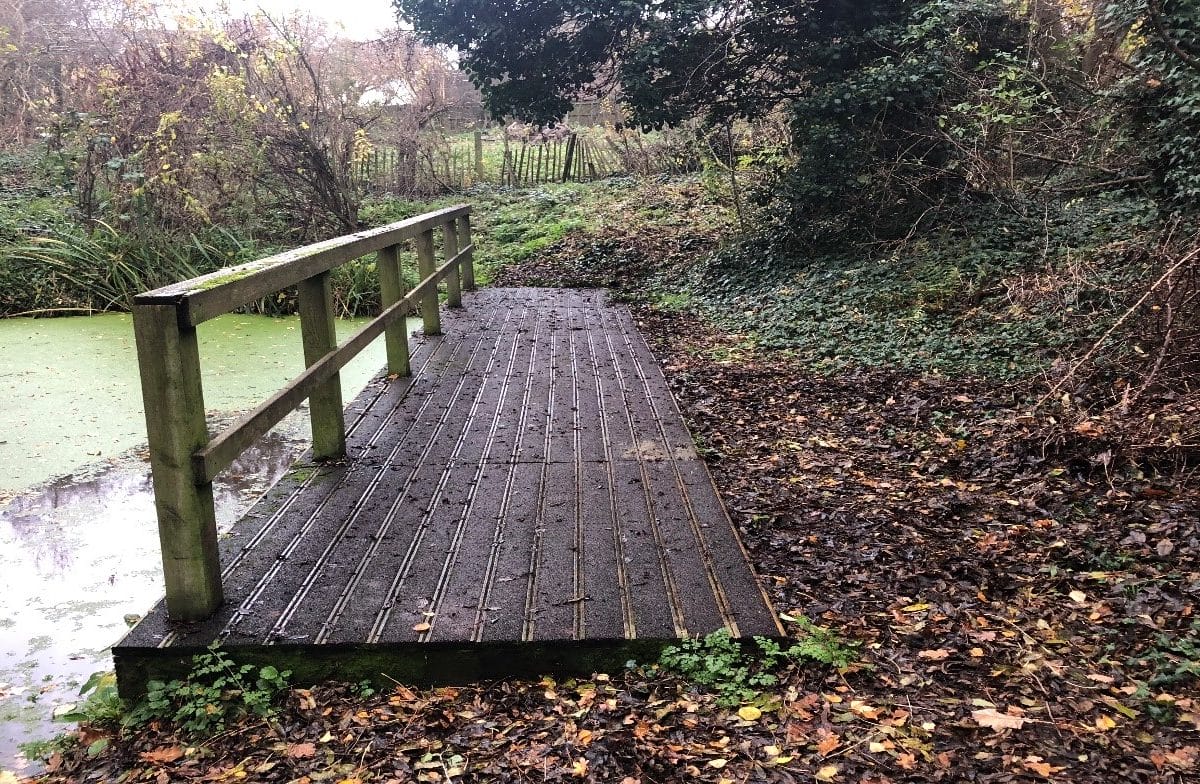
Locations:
(985, 289)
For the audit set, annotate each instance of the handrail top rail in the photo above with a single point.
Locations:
(205, 297)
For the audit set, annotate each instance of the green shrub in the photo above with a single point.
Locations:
(215, 692)
(736, 674)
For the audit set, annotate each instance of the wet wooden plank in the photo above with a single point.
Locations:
(531, 491)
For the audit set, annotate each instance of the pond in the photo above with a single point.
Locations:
(78, 536)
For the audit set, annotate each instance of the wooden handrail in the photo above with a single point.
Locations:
(223, 449)
(183, 460)
(223, 291)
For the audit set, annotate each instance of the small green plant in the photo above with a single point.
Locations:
(363, 690)
(738, 675)
(101, 706)
(216, 691)
(1173, 658)
(45, 749)
(820, 643)
(674, 301)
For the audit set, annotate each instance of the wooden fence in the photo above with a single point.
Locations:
(448, 164)
(184, 460)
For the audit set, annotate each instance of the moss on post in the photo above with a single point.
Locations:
(430, 317)
(454, 278)
(468, 262)
(396, 336)
(169, 365)
(318, 329)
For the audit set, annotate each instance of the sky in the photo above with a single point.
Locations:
(362, 19)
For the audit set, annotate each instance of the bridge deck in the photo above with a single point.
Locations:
(529, 501)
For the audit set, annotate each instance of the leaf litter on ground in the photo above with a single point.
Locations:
(1026, 610)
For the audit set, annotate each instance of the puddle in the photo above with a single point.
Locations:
(80, 557)
(78, 538)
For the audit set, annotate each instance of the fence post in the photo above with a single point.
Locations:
(387, 262)
(454, 279)
(468, 262)
(169, 366)
(318, 331)
(431, 319)
(569, 156)
(479, 174)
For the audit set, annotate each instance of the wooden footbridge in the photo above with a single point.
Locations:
(516, 496)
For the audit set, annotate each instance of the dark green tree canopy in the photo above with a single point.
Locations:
(671, 59)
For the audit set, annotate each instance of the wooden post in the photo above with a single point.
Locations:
(453, 280)
(431, 319)
(169, 364)
(506, 165)
(387, 262)
(317, 328)
(479, 157)
(468, 263)
(566, 175)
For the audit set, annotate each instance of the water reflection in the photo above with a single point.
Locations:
(80, 554)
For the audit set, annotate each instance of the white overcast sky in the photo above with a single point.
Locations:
(362, 19)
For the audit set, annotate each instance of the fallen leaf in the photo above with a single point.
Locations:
(993, 719)
(1079, 597)
(864, 709)
(580, 768)
(749, 713)
(827, 773)
(718, 763)
(937, 654)
(1105, 723)
(162, 755)
(828, 744)
(1040, 766)
(301, 750)
(1164, 547)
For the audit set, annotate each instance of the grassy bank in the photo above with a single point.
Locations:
(51, 265)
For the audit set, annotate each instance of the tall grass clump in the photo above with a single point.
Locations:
(57, 268)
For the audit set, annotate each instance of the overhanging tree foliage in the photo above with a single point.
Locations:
(671, 59)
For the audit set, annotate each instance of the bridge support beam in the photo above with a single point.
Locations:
(174, 401)
(318, 330)
(450, 250)
(431, 319)
(468, 262)
(387, 262)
